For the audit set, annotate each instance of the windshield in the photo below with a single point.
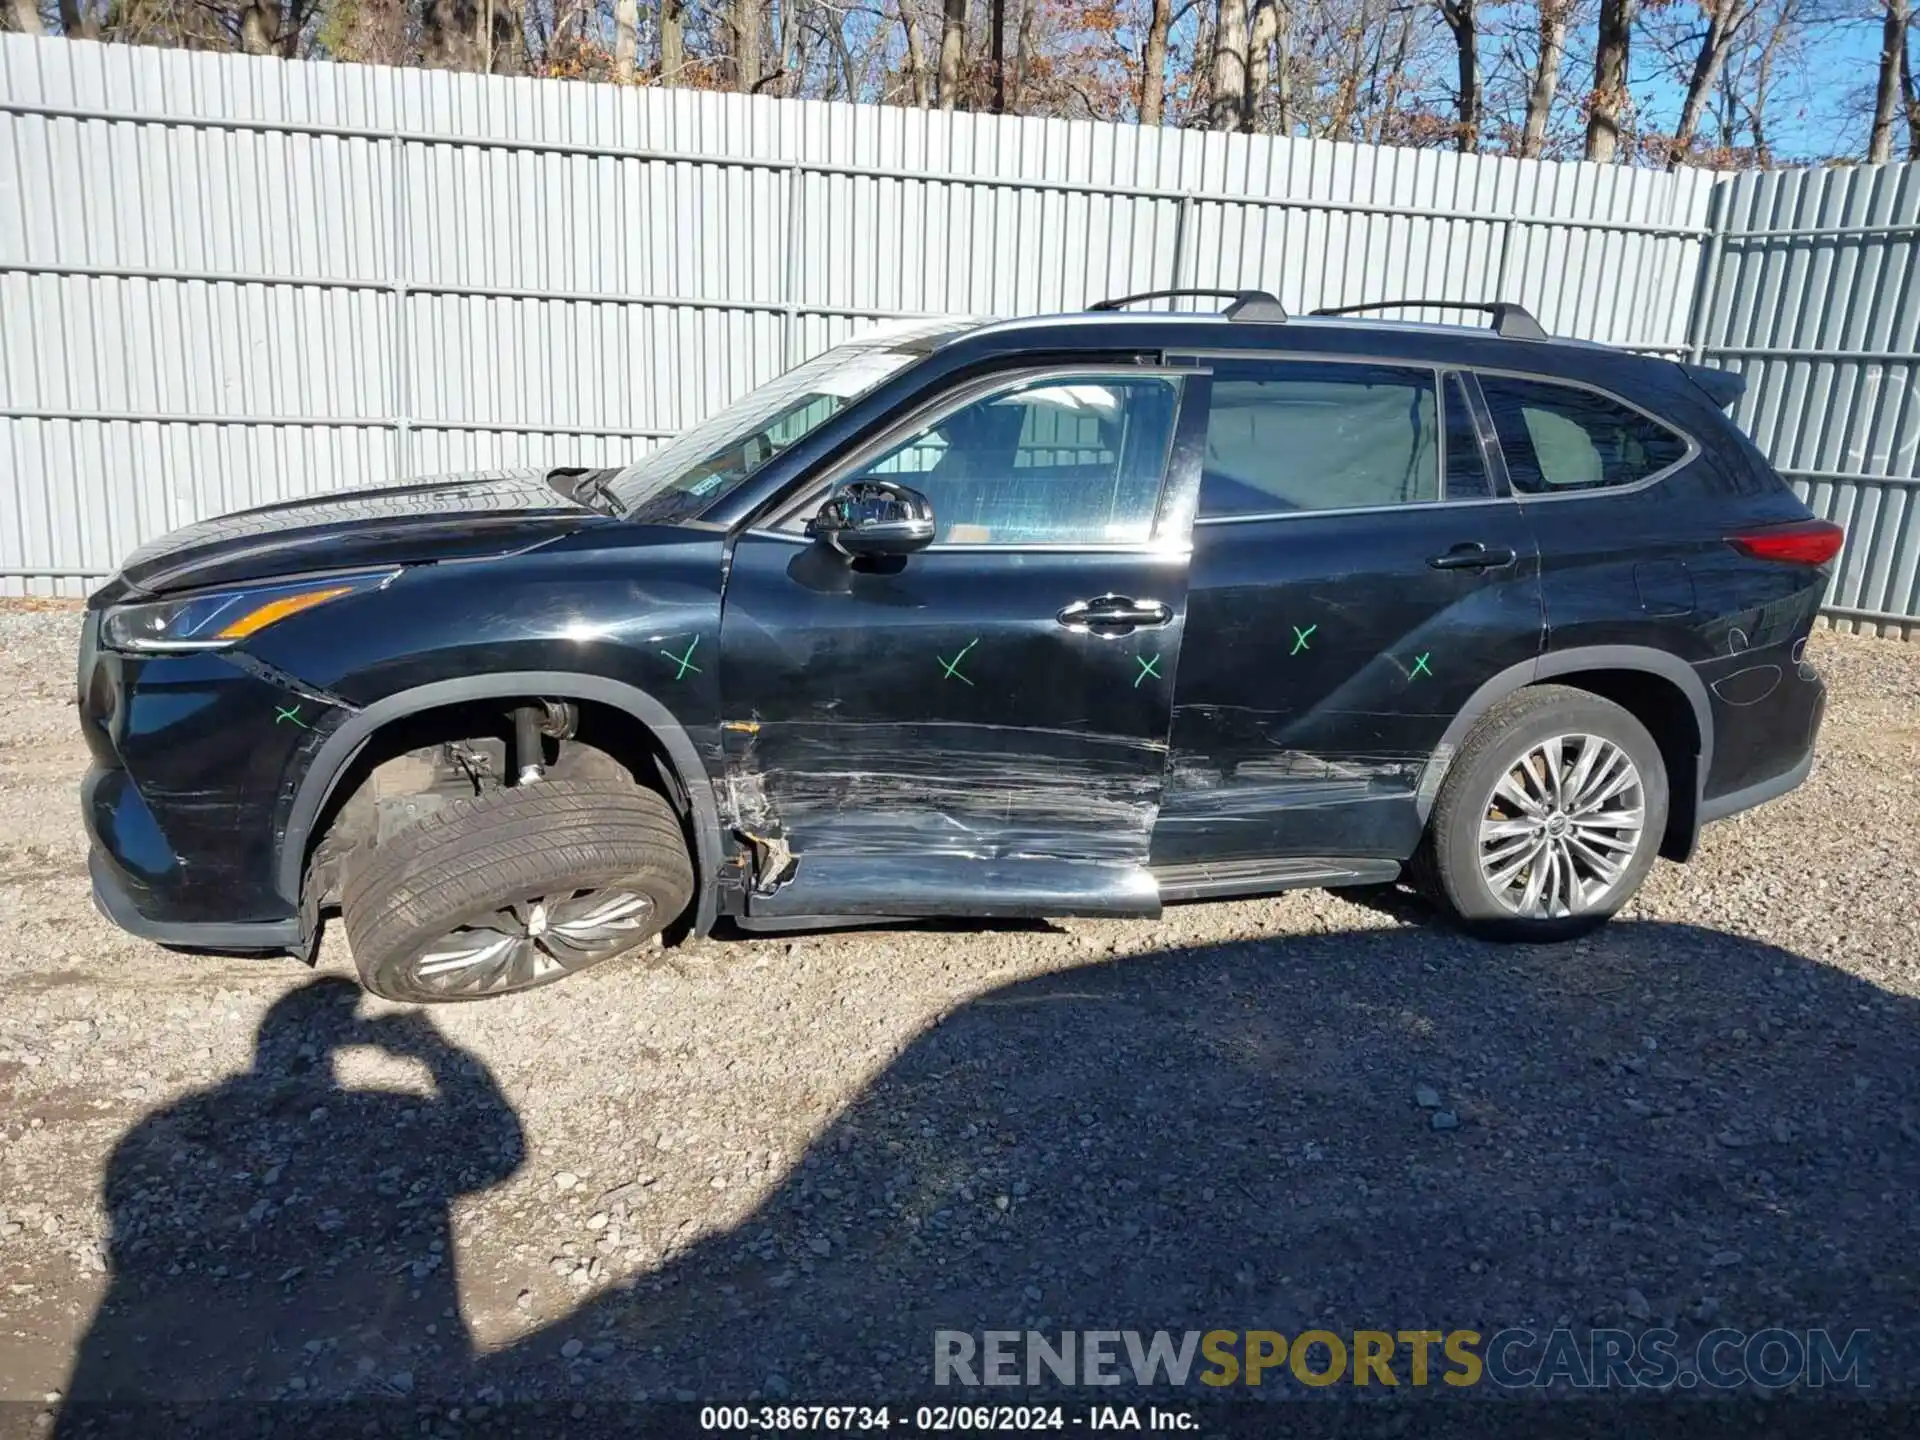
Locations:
(700, 464)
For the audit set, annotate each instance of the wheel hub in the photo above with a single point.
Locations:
(527, 942)
(1562, 827)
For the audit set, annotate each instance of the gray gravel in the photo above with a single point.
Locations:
(773, 1167)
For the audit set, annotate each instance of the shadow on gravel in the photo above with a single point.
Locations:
(280, 1235)
(1661, 1125)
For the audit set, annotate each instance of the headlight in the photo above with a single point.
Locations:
(216, 619)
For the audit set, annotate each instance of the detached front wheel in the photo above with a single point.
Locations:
(514, 889)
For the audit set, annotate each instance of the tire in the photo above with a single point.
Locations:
(1573, 893)
(571, 872)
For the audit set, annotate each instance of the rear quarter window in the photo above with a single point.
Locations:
(1561, 439)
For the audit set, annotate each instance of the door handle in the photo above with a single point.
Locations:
(1114, 615)
(1474, 556)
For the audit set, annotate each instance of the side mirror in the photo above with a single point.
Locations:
(874, 518)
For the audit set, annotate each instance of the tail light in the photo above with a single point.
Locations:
(1806, 542)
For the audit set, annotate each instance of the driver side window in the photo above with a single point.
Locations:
(1063, 460)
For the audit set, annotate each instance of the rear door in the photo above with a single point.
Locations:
(1355, 578)
(980, 729)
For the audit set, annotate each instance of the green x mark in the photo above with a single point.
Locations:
(1300, 638)
(1420, 667)
(952, 667)
(291, 712)
(1147, 667)
(685, 662)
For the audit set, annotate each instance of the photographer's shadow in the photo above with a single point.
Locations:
(280, 1235)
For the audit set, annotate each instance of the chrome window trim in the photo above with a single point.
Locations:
(961, 396)
(1146, 549)
(1422, 507)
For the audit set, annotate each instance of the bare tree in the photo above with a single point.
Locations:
(673, 41)
(259, 26)
(26, 18)
(1893, 45)
(1463, 21)
(1153, 63)
(1607, 113)
(626, 39)
(1726, 19)
(1266, 27)
(78, 23)
(447, 35)
(1785, 18)
(1910, 96)
(953, 50)
(918, 78)
(1229, 65)
(746, 45)
(1544, 80)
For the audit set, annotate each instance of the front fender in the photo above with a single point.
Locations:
(346, 741)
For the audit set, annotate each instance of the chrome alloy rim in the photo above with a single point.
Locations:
(1562, 827)
(531, 941)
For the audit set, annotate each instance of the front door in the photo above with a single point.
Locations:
(1355, 578)
(981, 729)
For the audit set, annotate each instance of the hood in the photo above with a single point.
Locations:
(449, 517)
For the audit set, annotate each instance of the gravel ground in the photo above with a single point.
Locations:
(773, 1167)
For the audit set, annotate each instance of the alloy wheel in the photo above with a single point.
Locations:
(529, 942)
(1562, 827)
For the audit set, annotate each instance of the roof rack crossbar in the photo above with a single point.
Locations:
(1248, 305)
(1514, 322)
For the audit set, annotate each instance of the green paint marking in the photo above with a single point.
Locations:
(1300, 638)
(952, 667)
(1420, 667)
(685, 662)
(291, 712)
(1147, 667)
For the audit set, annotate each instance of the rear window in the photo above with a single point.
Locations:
(1560, 439)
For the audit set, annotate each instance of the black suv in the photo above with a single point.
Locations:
(1076, 615)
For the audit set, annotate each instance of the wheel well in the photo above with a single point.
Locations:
(406, 763)
(1664, 709)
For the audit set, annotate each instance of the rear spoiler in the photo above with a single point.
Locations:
(1723, 387)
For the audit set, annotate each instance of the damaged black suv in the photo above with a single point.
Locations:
(1076, 615)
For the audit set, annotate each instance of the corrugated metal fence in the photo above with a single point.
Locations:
(226, 281)
(1811, 288)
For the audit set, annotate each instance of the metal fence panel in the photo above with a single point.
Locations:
(1813, 291)
(228, 280)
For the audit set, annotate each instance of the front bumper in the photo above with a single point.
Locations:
(114, 897)
(180, 801)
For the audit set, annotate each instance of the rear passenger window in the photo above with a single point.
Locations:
(1296, 435)
(1559, 439)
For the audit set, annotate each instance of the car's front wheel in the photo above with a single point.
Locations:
(1549, 819)
(515, 888)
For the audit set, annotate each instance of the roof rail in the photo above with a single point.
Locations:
(1514, 322)
(1248, 305)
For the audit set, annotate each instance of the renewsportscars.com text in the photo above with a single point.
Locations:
(1512, 1358)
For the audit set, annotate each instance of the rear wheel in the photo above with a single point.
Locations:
(514, 889)
(1549, 819)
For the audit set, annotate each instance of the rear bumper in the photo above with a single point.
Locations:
(1772, 787)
